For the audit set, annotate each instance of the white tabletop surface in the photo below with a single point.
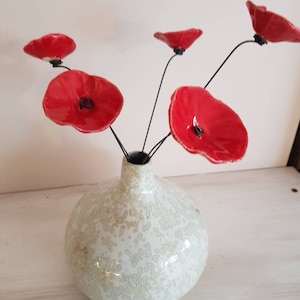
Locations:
(252, 217)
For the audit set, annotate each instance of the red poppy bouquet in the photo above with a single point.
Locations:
(199, 122)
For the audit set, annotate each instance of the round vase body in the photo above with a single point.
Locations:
(137, 237)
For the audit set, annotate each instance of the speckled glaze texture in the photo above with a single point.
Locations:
(137, 237)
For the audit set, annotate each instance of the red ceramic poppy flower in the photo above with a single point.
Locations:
(271, 26)
(54, 46)
(88, 103)
(179, 39)
(207, 126)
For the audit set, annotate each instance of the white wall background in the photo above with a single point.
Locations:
(115, 40)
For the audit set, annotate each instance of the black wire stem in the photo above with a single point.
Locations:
(62, 67)
(157, 145)
(225, 60)
(120, 144)
(157, 95)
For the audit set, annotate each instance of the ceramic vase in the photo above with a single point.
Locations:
(136, 237)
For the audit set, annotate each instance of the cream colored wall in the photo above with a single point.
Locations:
(115, 40)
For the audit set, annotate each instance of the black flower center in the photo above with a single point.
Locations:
(55, 62)
(86, 103)
(197, 130)
(179, 51)
(259, 39)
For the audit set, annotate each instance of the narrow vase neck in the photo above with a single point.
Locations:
(137, 178)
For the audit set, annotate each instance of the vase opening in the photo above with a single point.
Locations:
(138, 158)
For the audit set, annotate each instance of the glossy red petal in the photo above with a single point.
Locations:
(270, 26)
(51, 46)
(179, 39)
(61, 102)
(224, 137)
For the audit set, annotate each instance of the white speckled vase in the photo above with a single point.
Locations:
(138, 237)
